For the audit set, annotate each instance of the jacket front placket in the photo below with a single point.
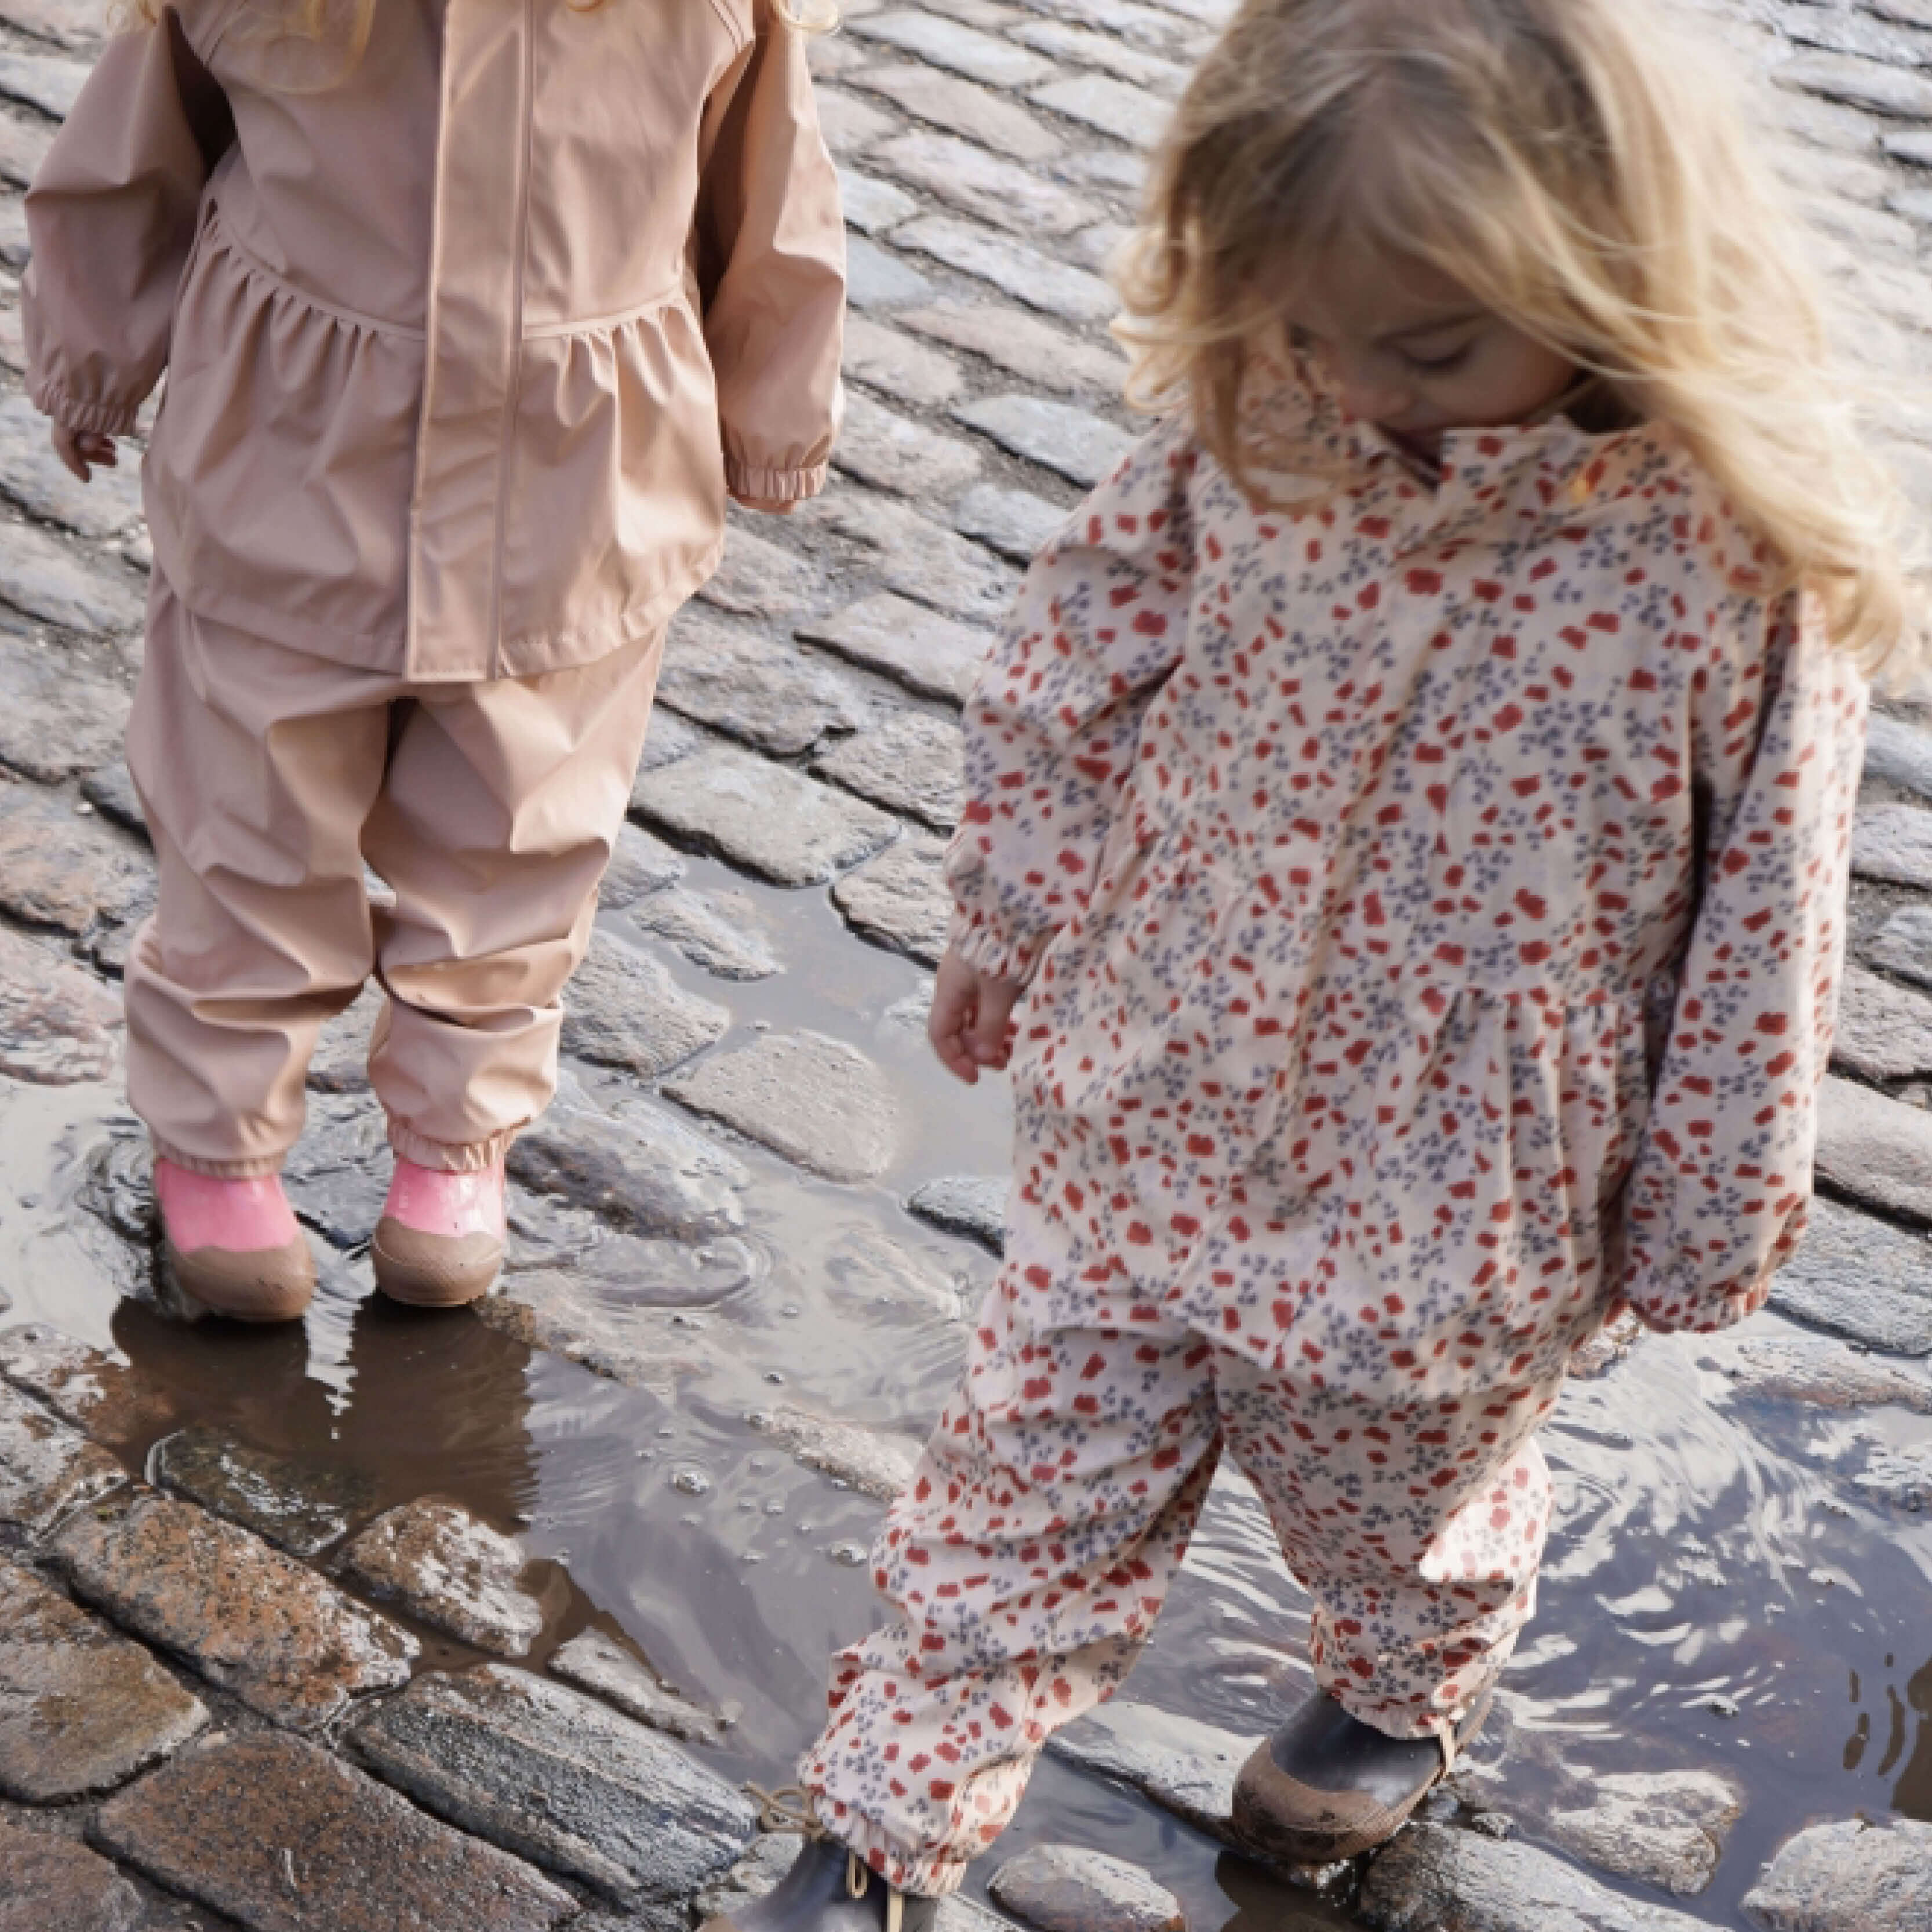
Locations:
(475, 333)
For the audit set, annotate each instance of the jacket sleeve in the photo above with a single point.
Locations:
(111, 220)
(771, 253)
(1053, 727)
(1717, 1199)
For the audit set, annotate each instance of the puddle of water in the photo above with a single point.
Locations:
(1708, 1546)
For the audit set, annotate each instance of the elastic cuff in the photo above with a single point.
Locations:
(260, 1166)
(1692, 1313)
(86, 418)
(935, 1875)
(774, 486)
(473, 1159)
(994, 950)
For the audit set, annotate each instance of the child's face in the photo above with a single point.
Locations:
(1411, 351)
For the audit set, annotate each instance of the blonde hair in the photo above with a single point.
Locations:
(1578, 169)
(313, 19)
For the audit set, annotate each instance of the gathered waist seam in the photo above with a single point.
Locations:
(599, 324)
(228, 239)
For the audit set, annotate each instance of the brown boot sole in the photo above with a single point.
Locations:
(270, 1285)
(433, 1271)
(1327, 1826)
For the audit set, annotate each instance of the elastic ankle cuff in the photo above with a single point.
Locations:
(446, 1158)
(258, 1169)
(930, 1875)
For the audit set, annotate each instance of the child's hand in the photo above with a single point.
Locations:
(971, 1025)
(84, 451)
(768, 506)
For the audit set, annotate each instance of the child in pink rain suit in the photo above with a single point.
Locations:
(472, 317)
(1413, 796)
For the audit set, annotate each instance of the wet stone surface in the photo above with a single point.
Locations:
(623, 1009)
(1876, 1149)
(58, 716)
(928, 654)
(82, 1709)
(1903, 945)
(446, 1569)
(639, 866)
(597, 1663)
(287, 1643)
(1666, 1828)
(61, 870)
(1849, 1877)
(900, 898)
(1069, 1888)
(52, 1885)
(47, 1469)
(720, 931)
(758, 579)
(283, 1837)
(1186, 1766)
(299, 1507)
(1894, 842)
(744, 681)
(1900, 1478)
(1884, 1031)
(85, 1386)
(876, 1465)
(812, 1099)
(768, 818)
(1432, 1877)
(42, 578)
(910, 762)
(634, 1164)
(1826, 1373)
(1862, 1278)
(966, 1203)
(545, 1772)
(1078, 444)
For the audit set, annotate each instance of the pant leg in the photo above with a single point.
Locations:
(1417, 1529)
(500, 810)
(1023, 1568)
(255, 766)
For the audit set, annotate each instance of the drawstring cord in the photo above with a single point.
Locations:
(791, 1807)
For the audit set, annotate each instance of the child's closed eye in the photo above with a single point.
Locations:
(1441, 364)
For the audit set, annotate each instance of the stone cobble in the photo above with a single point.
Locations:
(991, 158)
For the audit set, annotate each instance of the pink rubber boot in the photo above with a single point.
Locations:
(232, 1246)
(439, 1243)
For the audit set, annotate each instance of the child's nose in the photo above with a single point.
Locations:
(1371, 396)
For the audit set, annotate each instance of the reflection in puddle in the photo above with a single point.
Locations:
(1719, 1595)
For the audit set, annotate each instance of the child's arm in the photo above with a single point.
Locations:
(1717, 1201)
(772, 266)
(111, 218)
(1053, 724)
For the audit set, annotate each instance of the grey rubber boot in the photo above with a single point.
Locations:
(1326, 1785)
(828, 1889)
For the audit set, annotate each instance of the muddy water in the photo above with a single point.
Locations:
(1719, 1593)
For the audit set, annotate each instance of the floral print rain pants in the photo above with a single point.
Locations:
(1028, 1560)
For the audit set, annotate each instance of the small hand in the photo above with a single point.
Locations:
(84, 451)
(971, 1025)
(769, 506)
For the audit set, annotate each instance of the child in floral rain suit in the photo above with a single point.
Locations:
(1413, 794)
(472, 316)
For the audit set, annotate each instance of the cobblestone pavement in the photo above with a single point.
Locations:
(347, 1630)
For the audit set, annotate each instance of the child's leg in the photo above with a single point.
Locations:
(1025, 1566)
(501, 804)
(1417, 1529)
(256, 767)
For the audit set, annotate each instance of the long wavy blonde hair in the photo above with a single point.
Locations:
(324, 19)
(1581, 170)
